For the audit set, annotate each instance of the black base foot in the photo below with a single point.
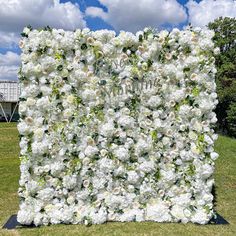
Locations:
(12, 222)
(218, 220)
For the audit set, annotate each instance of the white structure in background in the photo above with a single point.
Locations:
(9, 99)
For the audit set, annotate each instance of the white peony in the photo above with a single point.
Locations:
(158, 211)
(200, 217)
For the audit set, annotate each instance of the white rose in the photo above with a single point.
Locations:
(192, 135)
(26, 30)
(22, 108)
(38, 133)
(67, 113)
(214, 155)
(30, 101)
(70, 99)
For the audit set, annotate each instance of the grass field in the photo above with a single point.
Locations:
(225, 176)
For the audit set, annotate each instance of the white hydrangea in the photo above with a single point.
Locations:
(25, 215)
(133, 177)
(126, 121)
(69, 182)
(122, 153)
(90, 151)
(107, 129)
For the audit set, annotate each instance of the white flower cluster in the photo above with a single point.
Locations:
(89, 155)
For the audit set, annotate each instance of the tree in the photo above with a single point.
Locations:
(225, 39)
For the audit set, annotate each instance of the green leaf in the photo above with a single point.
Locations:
(154, 135)
(157, 175)
(58, 56)
(84, 46)
(195, 92)
(186, 69)
(60, 67)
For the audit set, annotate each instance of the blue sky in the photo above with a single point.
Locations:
(128, 15)
(92, 23)
(98, 23)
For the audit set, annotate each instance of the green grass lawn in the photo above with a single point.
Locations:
(225, 177)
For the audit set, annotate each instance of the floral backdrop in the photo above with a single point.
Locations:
(116, 127)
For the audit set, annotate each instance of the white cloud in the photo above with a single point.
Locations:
(96, 12)
(8, 39)
(200, 14)
(15, 14)
(9, 65)
(133, 15)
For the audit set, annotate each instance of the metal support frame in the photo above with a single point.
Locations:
(3, 112)
(13, 111)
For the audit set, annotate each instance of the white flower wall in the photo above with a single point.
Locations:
(116, 128)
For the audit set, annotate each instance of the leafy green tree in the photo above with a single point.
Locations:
(231, 118)
(225, 39)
